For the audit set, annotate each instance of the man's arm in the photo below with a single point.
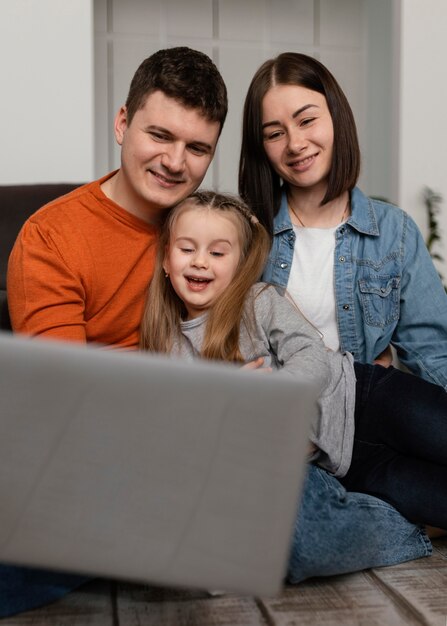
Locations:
(45, 297)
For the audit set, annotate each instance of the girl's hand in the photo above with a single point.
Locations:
(257, 365)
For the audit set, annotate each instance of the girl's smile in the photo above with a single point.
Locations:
(197, 283)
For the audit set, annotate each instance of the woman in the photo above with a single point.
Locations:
(357, 268)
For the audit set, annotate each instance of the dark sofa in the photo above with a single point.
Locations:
(17, 203)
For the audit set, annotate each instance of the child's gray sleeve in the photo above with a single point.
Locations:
(295, 343)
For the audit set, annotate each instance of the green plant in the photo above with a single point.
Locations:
(432, 201)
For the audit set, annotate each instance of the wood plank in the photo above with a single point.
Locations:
(440, 546)
(437, 560)
(347, 600)
(422, 589)
(413, 593)
(90, 605)
(150, 593)
(136, 605)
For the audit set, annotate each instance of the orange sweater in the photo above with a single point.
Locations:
(79, 270)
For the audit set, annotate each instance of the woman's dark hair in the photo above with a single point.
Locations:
(259, 184)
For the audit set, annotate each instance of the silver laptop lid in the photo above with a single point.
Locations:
(141, 467)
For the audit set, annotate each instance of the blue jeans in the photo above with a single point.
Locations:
(23, 588)
(400, 444)
(337, 531)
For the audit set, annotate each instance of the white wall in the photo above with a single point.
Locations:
(347, 35)
(47, 50)
(46, 104)
(422, 118)
(377, 152)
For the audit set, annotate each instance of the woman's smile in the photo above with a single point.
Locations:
(303, 164)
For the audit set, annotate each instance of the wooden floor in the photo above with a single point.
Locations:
(410, 594)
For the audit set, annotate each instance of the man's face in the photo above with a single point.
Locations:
(165, 153)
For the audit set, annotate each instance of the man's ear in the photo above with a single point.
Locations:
(120, 125)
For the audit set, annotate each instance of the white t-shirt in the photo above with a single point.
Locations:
(311, 280)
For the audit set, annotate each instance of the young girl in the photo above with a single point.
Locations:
(387, 436)
(203, 300)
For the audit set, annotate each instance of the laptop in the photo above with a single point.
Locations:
(146, 468)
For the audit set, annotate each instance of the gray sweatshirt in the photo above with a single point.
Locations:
(288, 342)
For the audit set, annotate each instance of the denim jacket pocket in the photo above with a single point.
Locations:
(380, 299)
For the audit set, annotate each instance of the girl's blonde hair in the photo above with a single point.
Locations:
(164, 309)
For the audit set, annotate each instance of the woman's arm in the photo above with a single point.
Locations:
(420, 337)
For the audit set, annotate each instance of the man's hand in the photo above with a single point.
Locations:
(257, 365)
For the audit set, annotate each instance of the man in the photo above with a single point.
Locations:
(81, 265)
(79, 271)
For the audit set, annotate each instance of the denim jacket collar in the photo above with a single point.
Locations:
(362, 218)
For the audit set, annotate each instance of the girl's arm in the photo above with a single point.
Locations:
(293, 342)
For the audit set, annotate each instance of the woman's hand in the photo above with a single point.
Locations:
(385, 358)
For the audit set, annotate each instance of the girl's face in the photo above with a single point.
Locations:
(298, 135)
(202, 257)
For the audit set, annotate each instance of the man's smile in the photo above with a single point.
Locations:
(165, 180)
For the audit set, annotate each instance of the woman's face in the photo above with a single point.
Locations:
(298, 135)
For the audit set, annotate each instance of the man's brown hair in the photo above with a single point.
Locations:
(186, 75)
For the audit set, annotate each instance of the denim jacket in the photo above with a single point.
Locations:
(387, 289)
